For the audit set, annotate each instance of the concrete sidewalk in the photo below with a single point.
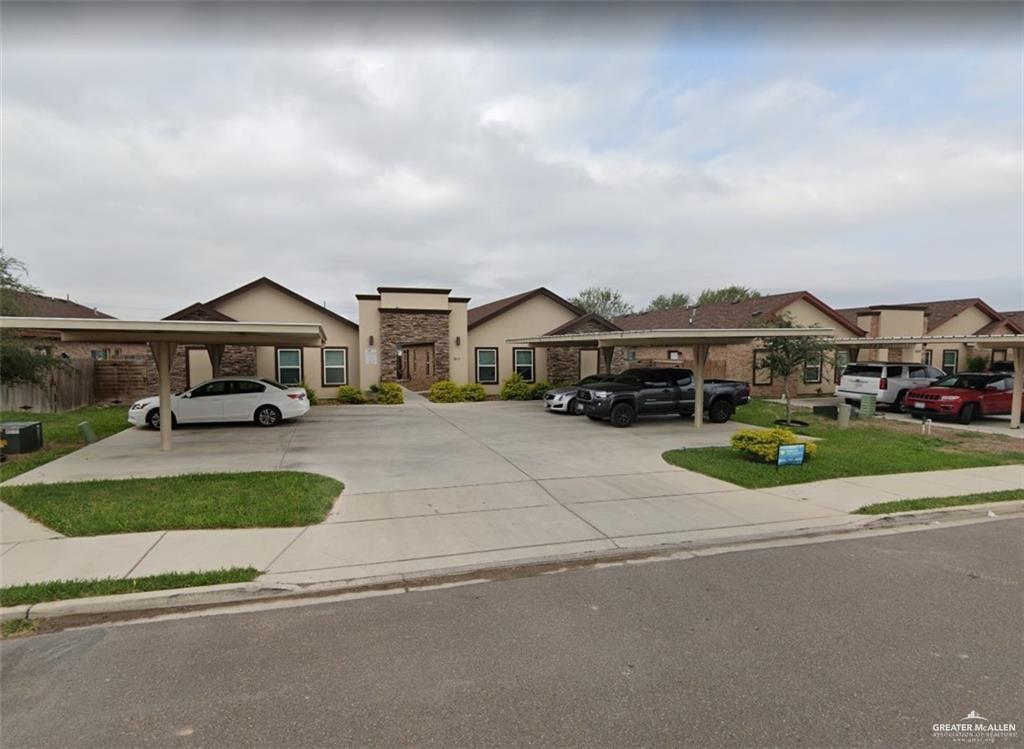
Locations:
(371, 534)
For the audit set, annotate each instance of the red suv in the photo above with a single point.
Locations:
(963, 396)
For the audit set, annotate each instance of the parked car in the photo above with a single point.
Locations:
(564, 400)
(639, 392)
(1002, 366)
(964, 396)
(889, 382)
(226, 399)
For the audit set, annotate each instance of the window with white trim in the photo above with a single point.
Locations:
(487, 366)
(812, 370)
(335, 362)
(524, 363)
(950, 360)
(289, 366)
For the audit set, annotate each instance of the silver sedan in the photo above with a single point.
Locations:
(563, 399)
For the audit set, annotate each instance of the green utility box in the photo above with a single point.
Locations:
(867, 406)
(21, 436)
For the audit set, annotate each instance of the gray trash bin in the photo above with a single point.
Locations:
(844, 410)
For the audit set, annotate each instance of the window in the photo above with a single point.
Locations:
(812, 370)
(950, 360)
(683, 380)
(842, 362)
(246, 387)
(335, 363)
(762, 374)
(656, 379)
(100, 354)
(289, 366)
(524, 363)
(631, 355)
(487, 366)
(999, 354)
(927, 358)
(674, 356)
(919, 373)
(219, 387)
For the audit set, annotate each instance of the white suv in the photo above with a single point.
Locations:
(888, 382)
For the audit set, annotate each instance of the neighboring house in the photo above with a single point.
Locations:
(26, 304)
(741, 361)
(323, 369)
(950, 317)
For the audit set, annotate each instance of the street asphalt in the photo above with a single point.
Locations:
(852, 643)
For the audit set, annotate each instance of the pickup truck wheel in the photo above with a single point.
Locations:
(897, 405)
(623, 415)
(967, 414)
(719, 411)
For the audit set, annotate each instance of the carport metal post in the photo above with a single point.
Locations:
(216, 353)
(700, 358)
(163, 352)
(607, 356)
(1018, 383)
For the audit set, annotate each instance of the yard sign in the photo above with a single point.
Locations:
(791, 455)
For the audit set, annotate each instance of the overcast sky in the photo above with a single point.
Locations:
(160, 155)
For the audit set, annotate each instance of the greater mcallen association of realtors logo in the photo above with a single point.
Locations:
(974, 728)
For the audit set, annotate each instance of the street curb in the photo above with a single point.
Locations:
(139, 605)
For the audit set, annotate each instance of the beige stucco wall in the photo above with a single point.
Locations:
(409, 300)
(967, 322)
(461, 355)
(199, 366)
(266, 304)
(535, 316)
(369, 326)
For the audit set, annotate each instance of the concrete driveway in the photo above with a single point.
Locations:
(433, 486)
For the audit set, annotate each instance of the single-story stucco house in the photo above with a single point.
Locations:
(417, 336)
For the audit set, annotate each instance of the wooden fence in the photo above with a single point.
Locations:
(66, 387)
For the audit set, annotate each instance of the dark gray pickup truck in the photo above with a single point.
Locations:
(639, 392)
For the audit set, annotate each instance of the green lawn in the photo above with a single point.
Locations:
(866, 448)
(60, 434)
(59, 590)
(272, 499)
(934, 503)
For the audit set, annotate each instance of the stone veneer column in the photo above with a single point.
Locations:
(398, 327)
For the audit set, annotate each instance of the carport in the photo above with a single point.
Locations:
(1012, 342)
(699, 340)
(163, 338)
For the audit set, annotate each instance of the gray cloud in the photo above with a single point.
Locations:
(152, 159)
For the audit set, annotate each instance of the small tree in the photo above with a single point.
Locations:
(669, 301)
(602, 301)
(19, 362)
(977, 363)
(785, 357)
(727, 294)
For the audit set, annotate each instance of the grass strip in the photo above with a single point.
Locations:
(60, 434)
(60, 590)
(935, 503)
(270, 499)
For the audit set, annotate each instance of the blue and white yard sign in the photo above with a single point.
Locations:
(792, 455)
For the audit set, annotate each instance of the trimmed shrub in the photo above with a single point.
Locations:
(474, 391)
(538, 389)
(349, 394)
(311, 395)
(515, 388)
(390, 394)
(977, 363)
(445, 391)
(763, 444)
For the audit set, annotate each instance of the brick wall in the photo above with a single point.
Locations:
(402, 327)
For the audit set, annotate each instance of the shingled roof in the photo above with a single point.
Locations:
(941, 311)
(748, 313)
(39, 305)
(485, 312)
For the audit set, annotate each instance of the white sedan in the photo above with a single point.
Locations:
(226, 399)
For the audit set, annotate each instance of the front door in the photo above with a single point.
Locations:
(419, 366)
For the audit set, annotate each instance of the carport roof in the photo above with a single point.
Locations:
(173, 331)
(670, 337)
(1001, 340)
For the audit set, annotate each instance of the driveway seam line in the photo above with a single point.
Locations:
(433, 488)
(286, 547)
(146, 554)
(288, 446)
(328, 521)
(535, 480)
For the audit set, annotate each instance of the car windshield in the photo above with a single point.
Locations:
(275, 383)
(965, 381)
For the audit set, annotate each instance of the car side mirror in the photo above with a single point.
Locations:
(186, 395)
